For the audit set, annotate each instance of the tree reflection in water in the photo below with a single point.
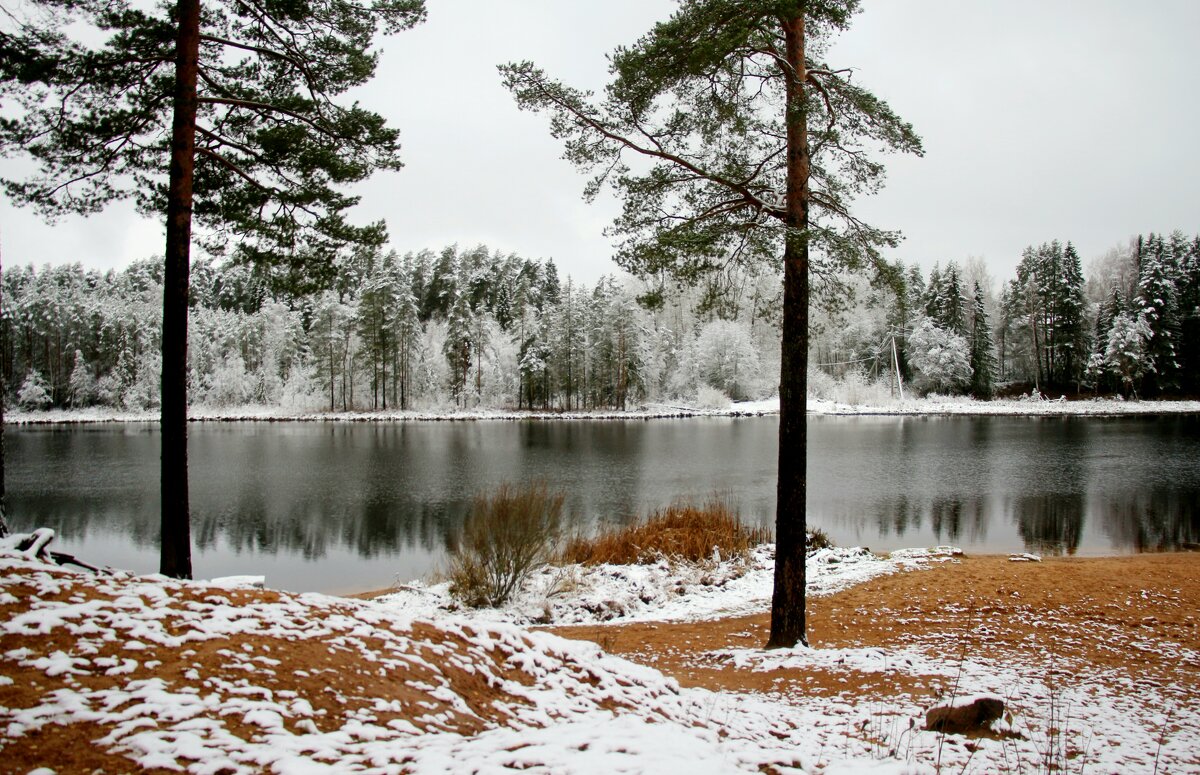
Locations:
(379, 491)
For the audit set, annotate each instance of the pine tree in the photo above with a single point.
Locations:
(754, 147)
(459, 347)
(1189, 316)
(82, 382)
(983, 362)
(1070, 320)
(1125, 353)
(34, 392)
(904, 316)
(1097, 367)
(407, 326)
(934, 292)
(1048, 258)
(1157, 305)
(534, 358)
(238, 107)
(329, 335)
(950, 312)
(941, 359)
(1028, 313)
(567, 344)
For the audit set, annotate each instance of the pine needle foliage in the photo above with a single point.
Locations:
(506, 534)
(682, 531)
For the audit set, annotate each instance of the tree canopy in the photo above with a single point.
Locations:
(274, 148)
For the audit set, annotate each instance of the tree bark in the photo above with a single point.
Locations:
(176, 543)
(787, 601)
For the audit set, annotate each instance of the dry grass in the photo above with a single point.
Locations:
(817, 538)
(505, 535)
(682, 531)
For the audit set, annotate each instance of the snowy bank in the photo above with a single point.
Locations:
(257, 413)
(665, 590)
(933, 405)
(1017, 407)
(184, 675)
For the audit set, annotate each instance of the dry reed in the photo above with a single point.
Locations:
(682, 531)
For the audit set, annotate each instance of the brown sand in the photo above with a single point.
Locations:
(1096, 619)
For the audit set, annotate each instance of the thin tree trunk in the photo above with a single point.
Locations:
(3, 514)
(331, 369)
(787, 601)
(1037, 350)
(346, 368)
(176, 545)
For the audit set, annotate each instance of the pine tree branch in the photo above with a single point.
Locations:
(658, 151)
(809, 79)
(269, 108)
(224, 162)
(270, 52)
(310, 81)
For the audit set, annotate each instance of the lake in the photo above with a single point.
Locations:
(339, 507)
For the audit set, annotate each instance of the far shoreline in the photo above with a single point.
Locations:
(918, 407)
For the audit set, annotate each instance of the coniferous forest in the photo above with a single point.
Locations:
(469, 328)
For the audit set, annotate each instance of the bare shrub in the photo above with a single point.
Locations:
(682, 531)
(506, 534)
(818, 539)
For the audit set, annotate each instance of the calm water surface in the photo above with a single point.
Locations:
(338, 507)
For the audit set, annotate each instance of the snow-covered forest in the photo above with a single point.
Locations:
(455, 328)
(1131, 325)
(472, 327)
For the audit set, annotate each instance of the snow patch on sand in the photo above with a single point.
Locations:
(665, 590)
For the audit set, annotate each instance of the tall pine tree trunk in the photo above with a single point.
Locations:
(787, 601)
(176, 544)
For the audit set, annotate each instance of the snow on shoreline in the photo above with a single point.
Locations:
(929, 406)
(665, 590)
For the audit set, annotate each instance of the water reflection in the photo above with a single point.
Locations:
(346, 501)
(1155, 521)
(1050, 523)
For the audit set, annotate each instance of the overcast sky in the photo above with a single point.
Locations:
(1041, 120)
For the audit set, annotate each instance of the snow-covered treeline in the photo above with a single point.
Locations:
(1132, 326)
(425, 330)
(475, 328)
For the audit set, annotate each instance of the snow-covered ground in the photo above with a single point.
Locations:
(931, 405)
(663, 591)
(566, 706)
(210, 678)
(1120, 723)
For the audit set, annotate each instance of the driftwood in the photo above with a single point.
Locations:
(35, 546)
